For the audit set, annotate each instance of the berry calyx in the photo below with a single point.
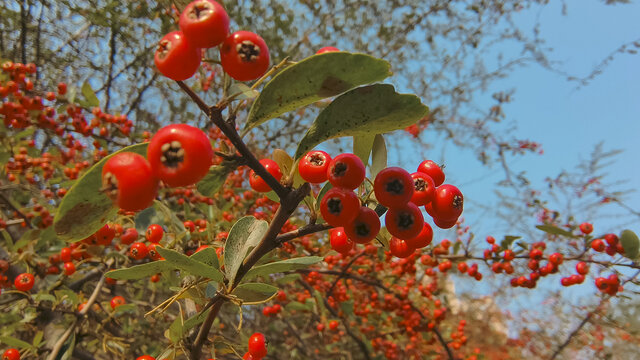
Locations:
(127, 179)
(404, 222)
(346, 171)
(24, 282)
(339, 207)
(244, 56)
(364, 227)
(138, 251)
(424, 189)
(176, 58)
(257, 183)
(313, 166)
(204, 23)
(180, 154)
(448, 202)
(393, 187)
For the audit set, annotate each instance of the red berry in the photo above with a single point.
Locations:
(445, 224)
(62, 88)
(117, 301)
(155, 278)
(598, 245)
(339, 240)
(364, 227)
(69, 268)
(586, 228)
(24, 282)
(313, 166)
(129, 236)
(11, 354)
(448, 202)
(400, 248)
(333, 325)
(611, 239)
(393, 187)
(463, 267)
(257, 183)
(339, 207)
(423, 239)
(154, 233)
(404, 222)
(65, 254)
(320, 327)
(432, 169)
(424, 189)
(138, 251)
(180, 154)
(153, 253)
(204, 23)
(128, 180)
(346, 171)
(244, 56)
(176, 58)
(146, 357)
(257, 346)
(190, 226)
(327, 49)
(105, 235)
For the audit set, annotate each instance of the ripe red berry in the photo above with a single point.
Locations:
(333, 325)
(180, 154)
(128, 180)
(346, 171)
(339, 240)
(556, 258)
(432, 169)
(11, 354)
(364, 227)
(117, 301)
(327, 49)
(69, 268)
(62, 88)
(320, 327)
(463, 267)
(257, 183)
(257, 346)
(586, 228)
(204, 23)
(424, 189)
(153, 253)
(154, 233)
(393, 187)
(423, 239)
(189, 225)
(65, 254)
(611, 239)
(176, 58)
(155, 278)
(138, 251)
(244, 56)
(448, 202)
(339, 206)
(400, 248)
(313, 166)
(445, 224)
(598, 245)
(146, 357)
(582, 268)
(105, 235)
(129, 236)
(24, 282)
(404, 222)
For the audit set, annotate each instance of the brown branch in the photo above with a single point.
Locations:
(344, 271)
(215, 303)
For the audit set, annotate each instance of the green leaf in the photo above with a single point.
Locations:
(630, 244)
(89, 95)
(67, 349)
(347, 307)
(312, 79)
(178, 329)
(282, 266)
(207, 256)
(255, 292)
(23, 134)
(508, 240)
(215, 178)
(140, 271)
(368, 110)
(85, 209)
(554, 230)
(185, 263)
(245, 234)
(125, 308)
(242, 91)
(13, 342)
(37, 339)
(362, 147)
(295, 305)
(378, 155)
(283, 160)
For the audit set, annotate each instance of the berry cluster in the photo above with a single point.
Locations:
(178, 155)
(205, 24)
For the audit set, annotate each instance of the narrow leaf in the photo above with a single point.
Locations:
(255, 292)
(554, 230)
(362, 147)
(190, 265)
(312, 79)
(378, 155)
(368, 110)
(90, 95)
(140, 271)
(215, 178)
(282, 266)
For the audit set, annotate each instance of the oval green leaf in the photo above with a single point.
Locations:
(215, 178)
(255, 292)
(207, 256)
(630, 244)
(315, 78)
(139, 271)
(245, 234)
(364, 111)
(85, 209)
(193, 267)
